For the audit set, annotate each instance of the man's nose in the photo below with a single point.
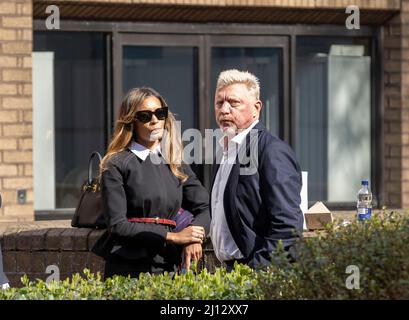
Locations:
(225, 108)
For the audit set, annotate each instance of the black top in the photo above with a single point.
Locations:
(132, 187)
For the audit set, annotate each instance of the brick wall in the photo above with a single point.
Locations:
(405, 103)
(29, 247)
(225, 11)
(396, 110)
(30, 252)
(15, 108)
(368, 4)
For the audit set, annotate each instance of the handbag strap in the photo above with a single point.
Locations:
(93, 155)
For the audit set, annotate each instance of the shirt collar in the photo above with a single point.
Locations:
(141, 151)
(239, 138)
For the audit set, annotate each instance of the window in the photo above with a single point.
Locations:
(69, 68)
(172, 71)
(266, 63)
(317, 92)
(333, 115)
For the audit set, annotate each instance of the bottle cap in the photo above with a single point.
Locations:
(364, 182)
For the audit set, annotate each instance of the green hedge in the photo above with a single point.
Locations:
(379, 248)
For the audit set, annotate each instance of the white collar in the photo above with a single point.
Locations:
(239, 138)
(141, 151)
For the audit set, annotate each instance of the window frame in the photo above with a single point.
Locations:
(202, 34)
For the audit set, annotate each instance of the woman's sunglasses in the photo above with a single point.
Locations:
(145, 116)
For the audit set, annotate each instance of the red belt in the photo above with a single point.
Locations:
(154, 220)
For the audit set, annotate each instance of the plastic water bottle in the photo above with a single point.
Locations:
(364, 204)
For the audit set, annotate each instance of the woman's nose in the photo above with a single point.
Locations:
(154, 119)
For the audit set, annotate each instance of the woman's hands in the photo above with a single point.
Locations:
(191, 252)
(189, 235)
(192, 237)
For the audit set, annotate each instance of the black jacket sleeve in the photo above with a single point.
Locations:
(280, 187)
(196, 199)
(115, 209)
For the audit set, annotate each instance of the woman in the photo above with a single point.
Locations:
(144, 184)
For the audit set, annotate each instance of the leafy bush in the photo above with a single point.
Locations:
(379, 248)
(240, 284)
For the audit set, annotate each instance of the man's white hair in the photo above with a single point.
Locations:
(234, 76)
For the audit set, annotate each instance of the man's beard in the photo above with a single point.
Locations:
(230, 131)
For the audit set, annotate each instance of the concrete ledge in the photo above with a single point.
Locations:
(28, 248)
(31, 251)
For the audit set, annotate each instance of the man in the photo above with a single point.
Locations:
(251, 213)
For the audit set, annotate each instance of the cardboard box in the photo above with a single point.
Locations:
(318, 216)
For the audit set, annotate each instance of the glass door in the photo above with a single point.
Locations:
(264, 56)
(169, 64)
(184, 69)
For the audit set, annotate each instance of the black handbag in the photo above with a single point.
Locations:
(89, 211)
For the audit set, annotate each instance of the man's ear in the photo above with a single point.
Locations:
(257, 106)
